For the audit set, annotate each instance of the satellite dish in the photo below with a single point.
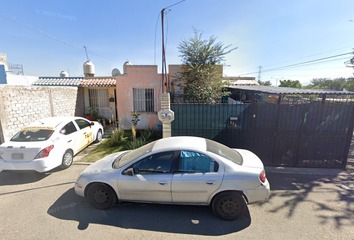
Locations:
(115, 72)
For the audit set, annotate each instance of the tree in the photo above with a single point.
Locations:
(290, 83)
(326, 83)
(201, 72)
(265, 83)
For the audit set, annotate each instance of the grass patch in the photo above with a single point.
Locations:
(120, 142)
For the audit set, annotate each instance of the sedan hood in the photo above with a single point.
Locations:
(102, 165)
(250, 159)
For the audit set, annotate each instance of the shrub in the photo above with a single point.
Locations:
(116, 137)
(136, 143)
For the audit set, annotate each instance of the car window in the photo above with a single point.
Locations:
(68, 129)
(156, 163)
(32, 135)
(128, 157)
(82, 123)
(224, 151)
(196, 162)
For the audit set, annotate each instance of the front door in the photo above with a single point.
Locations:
(151, 181)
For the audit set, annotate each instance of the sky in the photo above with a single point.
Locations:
(275, 39)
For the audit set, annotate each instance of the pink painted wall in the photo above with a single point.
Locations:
(138, 76)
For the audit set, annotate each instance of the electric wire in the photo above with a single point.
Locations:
(31, 27)
(315, 61)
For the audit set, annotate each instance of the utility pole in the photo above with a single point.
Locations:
(259, 73)
(165, 115)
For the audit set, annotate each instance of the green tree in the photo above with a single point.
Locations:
(290, 83)
(201, 71)
(332, 84)
(265, 83)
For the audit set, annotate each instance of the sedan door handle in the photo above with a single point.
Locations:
(210, 182)
(163, 183)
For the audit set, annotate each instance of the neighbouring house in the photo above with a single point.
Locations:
(12, 74)
(241, 81)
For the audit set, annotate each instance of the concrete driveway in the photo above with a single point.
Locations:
(302, 206)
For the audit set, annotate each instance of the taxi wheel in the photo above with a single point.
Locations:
(101, 196)
(99, 136)
(228, 205)
(68, 159)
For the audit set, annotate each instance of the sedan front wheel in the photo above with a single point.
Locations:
(229, 205)
(101, 196)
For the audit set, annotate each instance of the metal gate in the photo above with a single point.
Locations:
(303, 135)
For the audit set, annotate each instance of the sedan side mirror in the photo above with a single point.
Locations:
(129, 172)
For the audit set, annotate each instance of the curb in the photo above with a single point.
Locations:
(305, 171)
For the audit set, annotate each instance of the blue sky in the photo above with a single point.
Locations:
(48, 36)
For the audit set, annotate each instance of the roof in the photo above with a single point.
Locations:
(286, 90)
(98, 82)
(58, 81)
(180, 142)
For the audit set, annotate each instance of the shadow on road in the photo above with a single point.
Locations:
(20, 177)
(198, 220)
(295, 189)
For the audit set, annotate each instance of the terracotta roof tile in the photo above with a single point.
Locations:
(98, 82)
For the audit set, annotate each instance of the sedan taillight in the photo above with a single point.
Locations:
(262, 177)
(44, 152)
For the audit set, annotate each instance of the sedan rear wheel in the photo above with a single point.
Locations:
(101, 196)
(68, 159)
(229, 205)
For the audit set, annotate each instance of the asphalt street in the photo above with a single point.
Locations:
(303, 205)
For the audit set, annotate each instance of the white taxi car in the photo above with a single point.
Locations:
(48, 143)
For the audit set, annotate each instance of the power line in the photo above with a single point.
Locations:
(31, 27)
(175, 4)
(299, 64)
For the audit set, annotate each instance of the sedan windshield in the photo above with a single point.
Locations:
(224, 151)
(131, 156)
(32, 135)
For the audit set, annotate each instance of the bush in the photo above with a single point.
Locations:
(116, 137)
(136, 143)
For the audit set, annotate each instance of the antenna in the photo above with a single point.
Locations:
(86, 54)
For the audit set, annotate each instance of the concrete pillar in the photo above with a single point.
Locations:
(166, 115)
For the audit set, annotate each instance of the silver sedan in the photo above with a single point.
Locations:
(178, 170)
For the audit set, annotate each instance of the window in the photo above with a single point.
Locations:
(143, 99)
(98, 98)
(196, 162)
(68, 129)
(82, 123)
(32, 135)
(157, 163)
(224, 151)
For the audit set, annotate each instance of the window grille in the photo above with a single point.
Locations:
(143, 99)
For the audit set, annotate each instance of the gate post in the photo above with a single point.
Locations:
(166, 115)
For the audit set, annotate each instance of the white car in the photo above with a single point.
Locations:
(178, 170)
(48, 143)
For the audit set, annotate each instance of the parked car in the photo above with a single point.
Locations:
(48, 143)
(178, 170)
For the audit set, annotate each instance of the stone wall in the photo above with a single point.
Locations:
(22, 105)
